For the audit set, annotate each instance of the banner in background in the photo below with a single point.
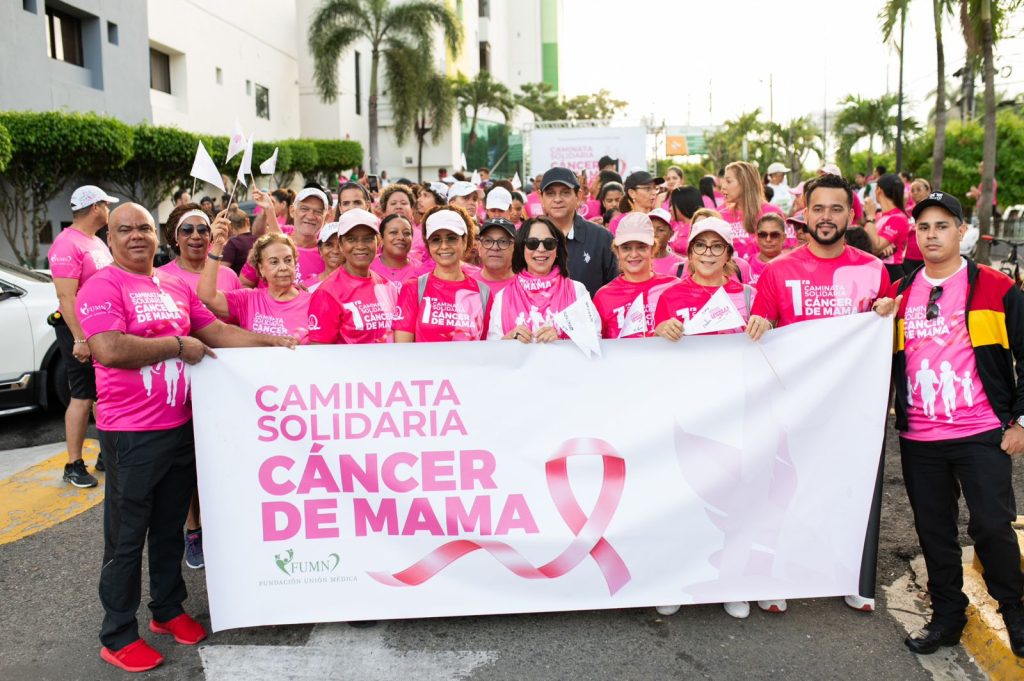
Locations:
(581, 148)
(375, 482)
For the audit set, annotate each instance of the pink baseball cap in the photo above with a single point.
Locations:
(357, 217)
(634, 227)
(715, 225)
(797, 190)
(661, 214)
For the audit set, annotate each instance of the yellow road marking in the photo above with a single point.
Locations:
(37, 498)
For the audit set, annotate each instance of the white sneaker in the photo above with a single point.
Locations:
(773, 606)
(738, 609)
(860, 603)
(667, 609)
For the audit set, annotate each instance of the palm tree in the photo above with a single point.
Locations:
(940, 8)
(482, 92)
(422, 101)
(865, 118)
(389, 29)
(896, 10)
(796, 140)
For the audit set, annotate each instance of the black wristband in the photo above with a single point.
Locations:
(211, 256)
(181, 345)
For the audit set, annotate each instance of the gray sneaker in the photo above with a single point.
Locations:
(78, 475)
(194, 549)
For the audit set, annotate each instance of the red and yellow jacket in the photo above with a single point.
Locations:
(995, 323)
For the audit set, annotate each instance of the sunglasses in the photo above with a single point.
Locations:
(933, 311)
(767, 236)
(187, 229)
(533, 243)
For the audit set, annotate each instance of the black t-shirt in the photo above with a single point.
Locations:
(236, 250)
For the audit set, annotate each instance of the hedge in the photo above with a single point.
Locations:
(6, 148)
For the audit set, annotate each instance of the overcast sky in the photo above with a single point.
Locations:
(664, 58)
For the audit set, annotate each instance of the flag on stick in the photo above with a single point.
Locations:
(236, 143)
(269, 166)
(203, 168)
(245, 167)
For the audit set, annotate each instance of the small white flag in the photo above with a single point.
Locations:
(718, 314)
(245, 167)
(236, 143)
(475, 180)
(270, 165)
(636, 318)
(581, 327)
(203, 168)
(465, 165)
(517, 184)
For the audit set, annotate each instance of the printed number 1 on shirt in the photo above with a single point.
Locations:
(357, 316)
(796, 286)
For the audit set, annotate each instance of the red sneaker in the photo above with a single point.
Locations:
(137, 656)
(184, 629)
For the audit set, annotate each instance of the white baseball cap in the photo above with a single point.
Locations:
(831, 169)
(439, 188)
(326, 232)
(777, 168)
(715, 225)
(446, 219)
(461, 189)
(634, 227)
(86, 195)
(357, 217)
(661, 214)
(448, 179)
(499, 198)
(313, 191)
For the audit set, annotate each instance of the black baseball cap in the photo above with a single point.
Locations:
(607, 161)
(504, 224)
(559, 176)
(942, 200)
(641, 177)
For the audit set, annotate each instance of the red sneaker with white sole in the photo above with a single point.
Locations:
(183, 628)
(137, 656)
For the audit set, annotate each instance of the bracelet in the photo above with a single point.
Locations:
(80, 342)
(211, 256)
(181, 345)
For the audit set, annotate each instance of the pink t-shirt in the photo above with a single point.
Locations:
(913, 250)
(308, 264)
(495, 286)
(255, 310)
(400, 274)
(155, 397)
(709, 202)
(745, 244)
(448, 311)
(687, 297)
(668, 265)
(227, 280)
(894, 227)
(756, 268)
(533, 208)
(614, 299)
(590, 209)
(799, 285)
(353, 310)
(613, 226)
(74, 255)
(680, 236)
(945, 396)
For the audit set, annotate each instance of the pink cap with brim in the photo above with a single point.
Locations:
(357, 217)
(634, 227)
(797, 190)
(715, 225)
(446, 219)
(661, 214)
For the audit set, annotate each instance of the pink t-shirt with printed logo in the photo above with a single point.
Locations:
(353, 310)
(400, 274)
(668, 265)
(745, 244)
(799, 285)
(255, 310)
(74, 255)
(756, 268)
(155, 397)
(227, 280)
(448, 310)
(945, 397)
(683, 300)
(614, 299)
(894, 227)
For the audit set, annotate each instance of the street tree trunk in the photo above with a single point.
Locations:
(372, 110)
(988, 150)
(939, 146)
(899, 104)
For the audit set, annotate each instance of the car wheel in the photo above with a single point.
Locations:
(59, 389)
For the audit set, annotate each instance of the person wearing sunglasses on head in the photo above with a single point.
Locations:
(446, 304)
(525, 309)
(188, 232)
(494, 249)
(959, 377)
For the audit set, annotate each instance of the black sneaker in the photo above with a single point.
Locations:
(99, 463)
(78, 475)
(194, 549)
(1013, 616)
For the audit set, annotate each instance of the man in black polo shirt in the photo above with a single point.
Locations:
(591, 261)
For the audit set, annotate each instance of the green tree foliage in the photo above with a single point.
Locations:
(766, 142)
(422, 101)
(261, 151)
(6, 148)
(863, 118)
(333, 156)
(303, 161)
(482, 92)
(161, 157)
(50, 150)
(544, 103)
(595, 107)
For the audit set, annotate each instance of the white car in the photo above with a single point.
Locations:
(32, 373)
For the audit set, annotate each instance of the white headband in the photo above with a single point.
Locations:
(192, 214)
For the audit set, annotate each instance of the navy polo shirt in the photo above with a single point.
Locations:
(591, 261)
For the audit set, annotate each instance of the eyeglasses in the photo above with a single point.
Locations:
(933, 310)
(187, 229)
(359, 240)
(445, 240)
(768, 236)
(700, 248)
(495, 244)
(534, 243)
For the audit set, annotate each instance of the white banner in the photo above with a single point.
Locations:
(375, 482)
(581, 148)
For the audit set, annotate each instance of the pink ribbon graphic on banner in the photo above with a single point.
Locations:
(589, 531)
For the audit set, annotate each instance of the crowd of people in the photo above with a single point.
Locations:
(453, 260)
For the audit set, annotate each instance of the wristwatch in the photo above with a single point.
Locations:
(1020, 421)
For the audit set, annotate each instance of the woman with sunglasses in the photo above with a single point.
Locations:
(771, 237)
(638, 287)
(278, 308)
(525, 309)
(394, 262)
(445, 304)
(188, 232)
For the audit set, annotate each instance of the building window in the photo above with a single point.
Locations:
(112, 37)
(485, 56)
(262, 102)
(30, 6)
(64, 37)
(220, 76)
(359, 85)
(159, 71)
(484, 10)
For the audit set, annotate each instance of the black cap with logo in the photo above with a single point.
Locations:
(502, 223)
(559, 176)
(942, 200)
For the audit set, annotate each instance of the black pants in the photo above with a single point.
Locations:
(149, 482)
(935, 473)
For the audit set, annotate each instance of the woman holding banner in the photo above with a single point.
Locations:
(525, 309)
(626, 304)
(445, 304)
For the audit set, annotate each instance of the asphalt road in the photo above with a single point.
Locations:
(52, 614)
